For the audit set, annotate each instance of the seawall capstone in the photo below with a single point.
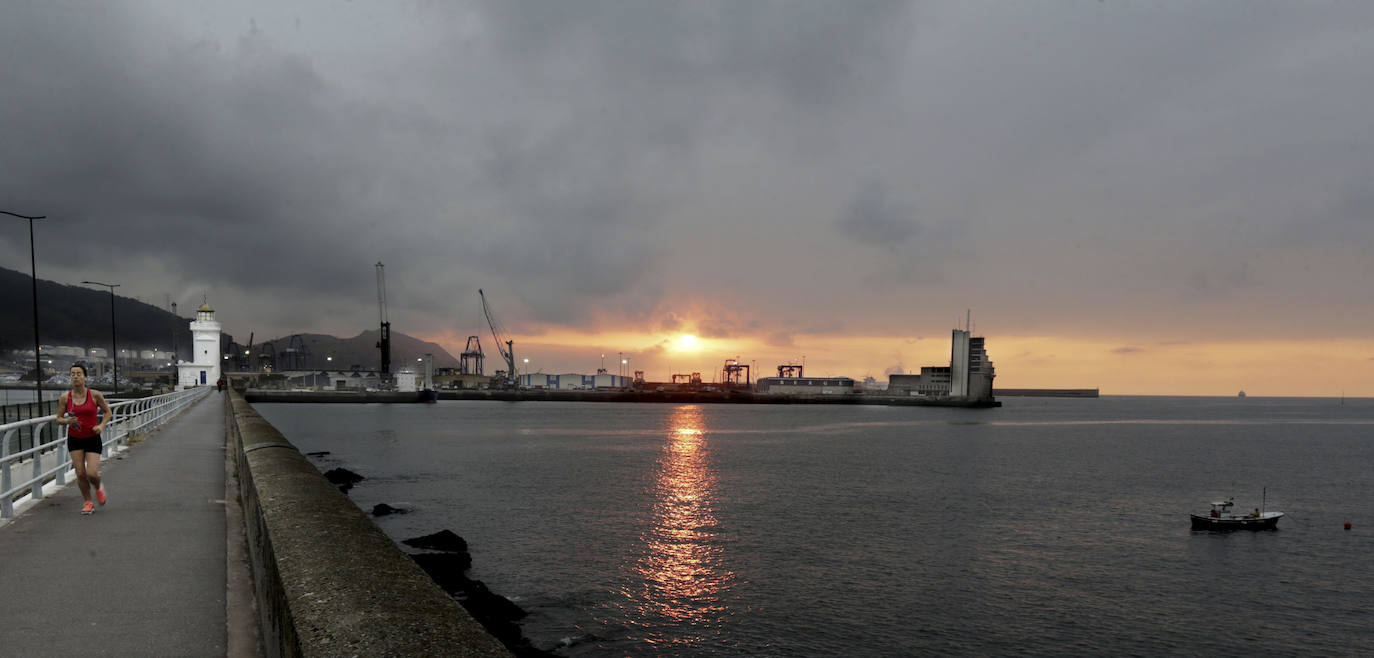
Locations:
(328, 581)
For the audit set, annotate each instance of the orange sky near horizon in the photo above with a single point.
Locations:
(1315, 368)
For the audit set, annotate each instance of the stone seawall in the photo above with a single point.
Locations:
(328, 581)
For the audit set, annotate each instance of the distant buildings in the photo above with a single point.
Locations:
(969, 374)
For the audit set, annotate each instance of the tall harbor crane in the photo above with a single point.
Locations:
(385, 342)
(498, 332)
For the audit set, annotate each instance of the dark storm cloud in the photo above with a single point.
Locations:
(812, 53)
(619, 162)
(233, 166)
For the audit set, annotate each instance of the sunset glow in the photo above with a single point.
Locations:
(1116, 367)
(684, 570)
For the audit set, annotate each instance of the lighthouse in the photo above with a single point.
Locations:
(204, 367)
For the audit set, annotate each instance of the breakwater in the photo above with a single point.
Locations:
(673, 397)
(328, 581)
(1047, 392)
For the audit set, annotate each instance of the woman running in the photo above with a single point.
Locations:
(79, 407)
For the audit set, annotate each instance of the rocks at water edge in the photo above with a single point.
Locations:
(444, 540)
(448, 568)
(343, 478)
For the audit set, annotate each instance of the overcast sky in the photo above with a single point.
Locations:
(787, 175)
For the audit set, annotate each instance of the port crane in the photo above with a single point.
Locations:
(470, 361)
(270, 359)
(384, 344)
(498, 332)
(791, 370)
(735, 373)
(297, 354)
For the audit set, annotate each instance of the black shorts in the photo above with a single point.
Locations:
(89, 444)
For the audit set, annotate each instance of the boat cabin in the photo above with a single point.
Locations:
(1222, 508)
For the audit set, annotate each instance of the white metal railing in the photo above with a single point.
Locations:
(50, 461)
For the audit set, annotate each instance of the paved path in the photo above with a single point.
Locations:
(143, 576)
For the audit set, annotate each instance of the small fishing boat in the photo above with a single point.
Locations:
(1222, 518)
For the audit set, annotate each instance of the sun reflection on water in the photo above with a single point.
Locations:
(682, 570)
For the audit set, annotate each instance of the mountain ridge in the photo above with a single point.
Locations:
(80, 316)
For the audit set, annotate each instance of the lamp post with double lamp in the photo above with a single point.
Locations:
(114, 354)
(33, 273)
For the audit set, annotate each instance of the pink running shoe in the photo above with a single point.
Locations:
(88, 507)
(100, 494)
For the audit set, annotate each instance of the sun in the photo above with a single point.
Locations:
(686, 343)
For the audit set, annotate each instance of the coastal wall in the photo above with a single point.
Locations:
(1047, 392)
(328, 581)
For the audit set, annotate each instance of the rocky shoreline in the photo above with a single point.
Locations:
(445, 557)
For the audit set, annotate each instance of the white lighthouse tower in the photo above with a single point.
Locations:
(204, 367)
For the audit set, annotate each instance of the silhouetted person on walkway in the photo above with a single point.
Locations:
(79, 409)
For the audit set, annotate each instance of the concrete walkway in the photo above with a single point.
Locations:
(143, 576)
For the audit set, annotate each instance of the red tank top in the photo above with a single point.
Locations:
(85, 416)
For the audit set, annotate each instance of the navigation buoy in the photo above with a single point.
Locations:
(1347, 526)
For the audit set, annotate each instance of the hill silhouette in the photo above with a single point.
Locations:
(313, 352)
(80, 316)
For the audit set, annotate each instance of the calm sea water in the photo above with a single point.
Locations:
(23, 395)
(1048, 526)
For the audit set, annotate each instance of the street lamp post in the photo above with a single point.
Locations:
(114, 356)
(33, 273)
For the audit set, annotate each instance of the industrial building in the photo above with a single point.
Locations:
(805, 386)
(968, 376)
(575, 382)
